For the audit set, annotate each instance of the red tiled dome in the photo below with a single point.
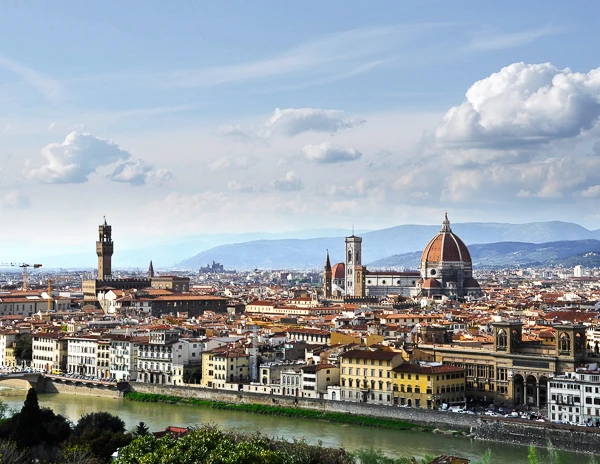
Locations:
(445, 246)
(432, 283)
(338, 271)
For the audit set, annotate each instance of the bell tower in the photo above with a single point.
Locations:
(327, 278)
(104, 250)
(353, 261)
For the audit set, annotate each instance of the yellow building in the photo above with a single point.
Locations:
(366, 376)
(427, 386)
(512, 371)
(10, 360)
(225, 365)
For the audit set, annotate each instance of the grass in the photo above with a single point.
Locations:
(340, 417)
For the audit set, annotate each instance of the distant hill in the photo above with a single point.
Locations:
(379, 244)
(506, 254)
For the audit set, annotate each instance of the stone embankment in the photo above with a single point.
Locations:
(517, 431)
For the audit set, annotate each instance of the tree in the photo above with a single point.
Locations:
(11, 454)
(27, 429)
(102, 432)
(141, 430)
(210, 444)
(23, 349)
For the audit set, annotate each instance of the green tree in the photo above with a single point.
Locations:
(11, 454)
(102, 432)
(533, 455)
(27, 427)
(141, 430)
(210, 444)
(23, 349)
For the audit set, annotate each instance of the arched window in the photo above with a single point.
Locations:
(564, 343)
(409, 388)
(349, 256)
(350, 383)
(501, 339)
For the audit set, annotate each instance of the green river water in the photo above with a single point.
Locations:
(158, 416)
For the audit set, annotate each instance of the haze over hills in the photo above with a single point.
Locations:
(506, 254)
(379, 244)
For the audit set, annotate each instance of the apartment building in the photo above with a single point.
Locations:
(155, 357)
(366, 376)
(7, 338)
(49, 351)
(316, 378)
(225, 365)
(82, 353)
(103, 359)
(427, 385)
(123, 358)
(575, 397)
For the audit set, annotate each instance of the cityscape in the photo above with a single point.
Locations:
(333, 232)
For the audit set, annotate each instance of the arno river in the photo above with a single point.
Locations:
(159, 416)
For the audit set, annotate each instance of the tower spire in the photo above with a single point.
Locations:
(150, 270)
(328, 263)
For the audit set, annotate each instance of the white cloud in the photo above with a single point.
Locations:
(15, 200)
(591, 192)
(523, 105)
(75, 159)
(289, 122)
(139, 172)
(289, 183)
(293, 121)
(236, 186)
(328, 153)
(82, 154)
(361, 188)
(230, 162)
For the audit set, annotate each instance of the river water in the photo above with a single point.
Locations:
(158, 416)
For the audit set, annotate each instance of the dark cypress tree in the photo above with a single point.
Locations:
(27, 429)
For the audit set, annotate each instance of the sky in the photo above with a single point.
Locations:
(175, 119)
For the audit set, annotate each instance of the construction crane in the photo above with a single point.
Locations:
(24, 266)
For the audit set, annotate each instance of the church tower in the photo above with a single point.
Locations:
(104, 250)
(327, 278)
(150, 270)
(353, 263)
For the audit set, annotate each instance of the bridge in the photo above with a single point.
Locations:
(38, 381)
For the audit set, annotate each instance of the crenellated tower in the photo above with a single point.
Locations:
(104, 250)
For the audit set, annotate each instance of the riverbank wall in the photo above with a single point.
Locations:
(520, 432)
(51, 386)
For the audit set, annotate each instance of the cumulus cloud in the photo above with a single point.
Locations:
(242, 187)
(15, 200)
(591, 192)
(139, 172)
(289, 183)
(293, 121)
(523, 105)
(360, 188)
(289, 122)
(82, 154)
(230, 162)
(328, 153)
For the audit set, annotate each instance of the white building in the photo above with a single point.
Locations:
(156, 355)
(578, 271)
(575, 397)
(49, 351)
(123, 358)
(7, 338)
(82, 353)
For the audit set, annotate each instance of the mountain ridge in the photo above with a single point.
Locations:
(378, 244)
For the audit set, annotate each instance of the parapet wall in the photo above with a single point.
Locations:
(521, 432)
(80, 389)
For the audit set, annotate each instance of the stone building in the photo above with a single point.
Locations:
(446, 270)
(511, 371)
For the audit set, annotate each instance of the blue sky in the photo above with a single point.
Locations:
(181, 118)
